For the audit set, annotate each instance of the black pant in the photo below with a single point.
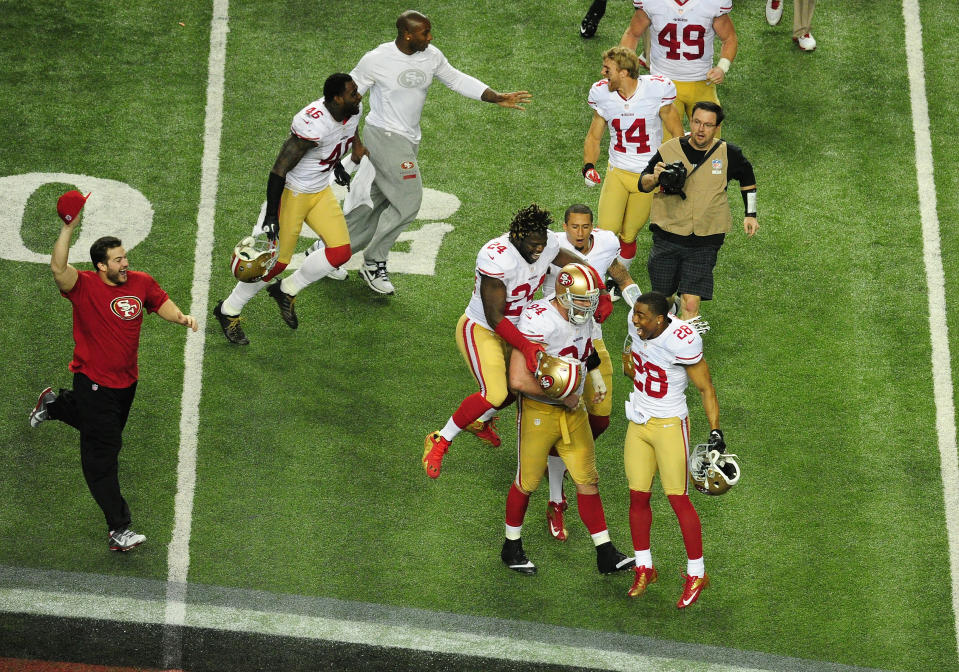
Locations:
(100, 413)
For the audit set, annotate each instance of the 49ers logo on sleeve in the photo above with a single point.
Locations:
(127, 307)
(565, 279)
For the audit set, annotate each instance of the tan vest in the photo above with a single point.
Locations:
(706, 209)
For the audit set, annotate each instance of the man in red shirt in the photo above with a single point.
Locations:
(108, 306)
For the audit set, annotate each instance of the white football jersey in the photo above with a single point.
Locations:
(635, 128)
(542, 323)
(500, 259)
(398, 83)
(333, 139)
(682, 36)
(660, 380)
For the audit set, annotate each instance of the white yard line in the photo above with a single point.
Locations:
(935, 279)
(178, 557)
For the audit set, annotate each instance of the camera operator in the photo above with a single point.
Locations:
(690, 213)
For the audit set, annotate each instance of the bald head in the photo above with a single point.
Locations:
(408, 21)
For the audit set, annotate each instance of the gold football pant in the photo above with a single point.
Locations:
(321, 212)
(687, 95)
(623, 208)
(663, 444)
(487, 355)
(606, 368)
(543, 427)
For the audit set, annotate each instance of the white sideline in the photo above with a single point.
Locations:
(178, 555)
(935, 279)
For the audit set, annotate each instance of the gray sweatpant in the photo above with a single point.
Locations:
(396, 193)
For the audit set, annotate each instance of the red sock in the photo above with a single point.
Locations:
(627, 250)
(278, 268)
(591, 511)
(339, 255)
(640, 518)
(689, 525)
(516, 503)
(598, 424)
(470, 409)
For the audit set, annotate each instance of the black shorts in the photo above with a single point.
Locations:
(688, 270)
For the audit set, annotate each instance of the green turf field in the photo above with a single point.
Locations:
(834, 546)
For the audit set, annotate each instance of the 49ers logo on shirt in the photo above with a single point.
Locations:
(127, 307)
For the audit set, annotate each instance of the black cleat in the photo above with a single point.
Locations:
(514, 557)
(591, 21)
(285, 302)
(230, 325)
(609, 560)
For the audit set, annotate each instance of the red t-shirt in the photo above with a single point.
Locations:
(106, 325)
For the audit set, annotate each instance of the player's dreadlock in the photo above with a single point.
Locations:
(529, 220)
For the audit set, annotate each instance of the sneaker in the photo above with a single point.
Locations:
(691, 589)
(39, 413)
(485, 431)
(336, 273)
(676, 305)
(125, 540)
(230, 325)
(614, 291)
(435, 447)
(699, 324)
(609, 560)
(591, 21)
(554, 520)
(515, 558)
(285, 302)
(644, 576)
(806, 42)
(377, 278)
(774, 11)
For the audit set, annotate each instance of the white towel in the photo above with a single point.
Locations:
(359, 193)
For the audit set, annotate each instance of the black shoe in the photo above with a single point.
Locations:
(285, 302)
(230, 325)
(609, 560)
(514, 557)
(591, 21)
(613, 287)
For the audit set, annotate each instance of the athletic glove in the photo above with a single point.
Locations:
(591, 175)
(604, 309)
(716, 441)
(271, 227)
(340, 176)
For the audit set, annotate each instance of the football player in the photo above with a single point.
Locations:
(682, 46)
(298, 190)
(509, 270)
(636, 109)
(600, 249)
(666, 353)
(551, 416)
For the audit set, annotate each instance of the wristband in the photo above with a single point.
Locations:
(587, 167)
(749, 200)
(724, 64)
(348, 164)
(630, 294)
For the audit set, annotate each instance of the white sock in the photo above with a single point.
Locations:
(557, 469)
(240, 296)
(600, 538)
(450, 431)
(315, 267)
(514, 533)
(624, 261)
(644, 558)
(696, 567)
(487, 415)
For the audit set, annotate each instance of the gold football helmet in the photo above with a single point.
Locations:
(252, 258)
(713, 472)
(577, 282)
(558, 376)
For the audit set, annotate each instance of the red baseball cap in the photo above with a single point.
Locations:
(70, 204)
